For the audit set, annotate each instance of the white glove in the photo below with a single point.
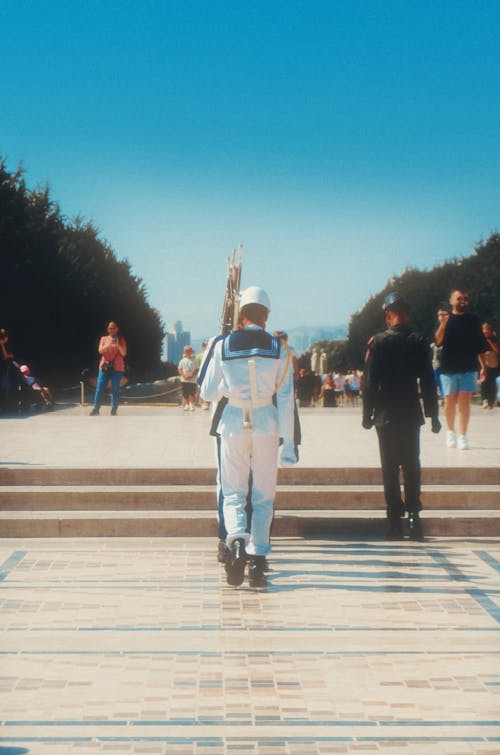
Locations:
(288, 455)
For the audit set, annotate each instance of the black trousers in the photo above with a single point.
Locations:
(489, 386)
(400, 450)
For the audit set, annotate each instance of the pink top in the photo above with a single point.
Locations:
(111, 353)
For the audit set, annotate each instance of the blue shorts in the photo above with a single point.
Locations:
(459, 382)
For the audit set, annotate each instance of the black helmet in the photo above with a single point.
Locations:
(395, 302)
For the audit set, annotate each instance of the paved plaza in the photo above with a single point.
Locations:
(135, 645)
(138, 646)
(149, 436)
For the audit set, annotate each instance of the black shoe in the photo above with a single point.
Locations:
(395, 531)
(113, 412)
(94, 413)
(256, 575)
(415, 526)
(221, 552)
(235, 562)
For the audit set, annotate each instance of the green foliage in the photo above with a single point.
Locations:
(337, 354)
(61, 286)
(427, 290)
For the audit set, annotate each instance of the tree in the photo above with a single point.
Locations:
(61, 285)
(427, 290)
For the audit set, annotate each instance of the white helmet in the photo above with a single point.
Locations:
(255, 295)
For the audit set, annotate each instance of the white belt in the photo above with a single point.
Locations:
(248, 403)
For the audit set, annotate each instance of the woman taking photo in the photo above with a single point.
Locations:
(113, 350)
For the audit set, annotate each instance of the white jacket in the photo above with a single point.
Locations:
(226, 373)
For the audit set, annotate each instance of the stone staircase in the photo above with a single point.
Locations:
(342, 502)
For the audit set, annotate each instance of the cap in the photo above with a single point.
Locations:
(395, 302)
(187, 349)
(255, 295)
(24, 368)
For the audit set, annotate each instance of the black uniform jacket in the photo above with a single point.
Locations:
(396, 362)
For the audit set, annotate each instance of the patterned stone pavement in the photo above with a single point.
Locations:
(169, 437)
(139, 646)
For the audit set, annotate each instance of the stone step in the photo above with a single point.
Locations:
(449, 523)
(78, 502)
(202, 497)
(206, 476)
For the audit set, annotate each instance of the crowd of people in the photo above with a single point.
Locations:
(331, 389)
(19, 389)
(253, 382)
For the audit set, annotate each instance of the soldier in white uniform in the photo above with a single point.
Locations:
(252, 372)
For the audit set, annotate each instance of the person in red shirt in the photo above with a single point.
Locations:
(113, 350)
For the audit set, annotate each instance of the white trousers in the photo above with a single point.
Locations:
(241, 455)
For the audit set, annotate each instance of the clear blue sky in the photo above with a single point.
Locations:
(338, 141)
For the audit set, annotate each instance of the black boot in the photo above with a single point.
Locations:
(415, 526)
(235, 562)
(221, 552)
(256, 570)
(395, 531)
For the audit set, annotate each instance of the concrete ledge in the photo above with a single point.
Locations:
(196, 524)
(202, 497)
(200, 476)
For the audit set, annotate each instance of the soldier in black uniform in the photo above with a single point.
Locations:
(398, 360)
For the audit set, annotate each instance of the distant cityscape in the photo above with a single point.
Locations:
(174, 341)
(300, 339)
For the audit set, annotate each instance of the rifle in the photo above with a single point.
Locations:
(231, 306)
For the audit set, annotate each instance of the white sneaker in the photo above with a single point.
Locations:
(191, 407)
(186, 407)
(451, 439)
(485, 405)
(463, 443)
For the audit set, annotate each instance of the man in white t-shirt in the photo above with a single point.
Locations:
(339, 379)
(188, 370)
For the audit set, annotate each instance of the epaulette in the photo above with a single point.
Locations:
(369, 347)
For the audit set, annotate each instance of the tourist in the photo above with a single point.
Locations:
(113, 350)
